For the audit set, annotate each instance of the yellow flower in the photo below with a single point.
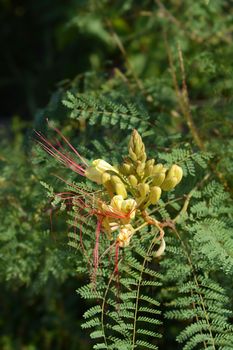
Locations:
(124, 205)
(116, 202)
(129, 206)
(98, 167)
(125, 234)
(110, 226)
(103, 166)
(93, 174)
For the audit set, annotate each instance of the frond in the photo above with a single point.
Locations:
(196, 299)
(105, 111)
(186, 159)
(126, 316)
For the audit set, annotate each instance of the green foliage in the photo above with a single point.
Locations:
(104, 111)
(131, 318)
(37, 271)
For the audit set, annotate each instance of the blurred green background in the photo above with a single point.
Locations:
(47, 48)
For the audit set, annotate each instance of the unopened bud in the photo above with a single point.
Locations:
(136, 147)
(176, 171)
(115, 179)
(159, 174)
(126, 168)
(158, 179)
(149, 167)
(133, 180)
(173, 177)
(155, 194)
(150, 162)
(140, 169)
(121, 190)
(169, 184)
(106, 177)
(118, 186)
(143, 189)
(132, 154)
(158, 168)
(106, 181)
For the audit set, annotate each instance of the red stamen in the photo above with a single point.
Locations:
(68, 143)
(96, 249)
(62, 157)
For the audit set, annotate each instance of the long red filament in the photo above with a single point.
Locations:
(63, 157)
(96, 249)
(69, 144)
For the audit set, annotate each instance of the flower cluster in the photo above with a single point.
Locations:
(132, 186)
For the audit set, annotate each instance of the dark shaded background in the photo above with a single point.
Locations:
(39, 49)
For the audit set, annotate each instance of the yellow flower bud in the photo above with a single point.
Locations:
(106, 177)
(155, 194)
(115, 179)
(121, 190)
(169, 184)
(143, 189)
(158, 168)
(140, 168)
(149, 167)
(106, 181)
(159, 174)
(173, 177)
(136, 147)
(158, 179)
(176, 171)
(119, 186)
(125, 234)
(150, 162)
(98, 167)
(132, 154)
(149, 170)
(126, 168)
(133, 180)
